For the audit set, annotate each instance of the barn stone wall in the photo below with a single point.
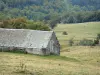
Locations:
(12, 49)
(54, 45)
(3, 49)
(38, 51)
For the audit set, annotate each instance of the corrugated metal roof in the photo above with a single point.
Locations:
(24, 38)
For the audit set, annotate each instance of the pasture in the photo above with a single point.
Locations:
(77, 31)
(75, 60)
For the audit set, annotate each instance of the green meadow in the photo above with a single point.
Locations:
(77, 31)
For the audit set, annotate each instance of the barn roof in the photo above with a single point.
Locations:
(24, 38)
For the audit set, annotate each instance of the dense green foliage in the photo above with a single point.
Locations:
(32, 9)
(51, 11)
(87, 4)
(14, 23)
(38, 25)
(79, 17)
(20, 23)
(86, 42)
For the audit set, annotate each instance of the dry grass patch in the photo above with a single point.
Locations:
(10, 64)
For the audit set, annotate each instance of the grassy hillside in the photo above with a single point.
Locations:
(79, 61)
(77, 31)
(75, 60)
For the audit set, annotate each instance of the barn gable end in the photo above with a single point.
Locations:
(53, 45)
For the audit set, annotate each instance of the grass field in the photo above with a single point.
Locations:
(76, 31)
(78, 61)
(75, 60)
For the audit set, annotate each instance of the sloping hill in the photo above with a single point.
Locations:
(77, 31)
(74, 60)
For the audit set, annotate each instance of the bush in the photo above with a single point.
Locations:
(23, 23)
(71, 42)
(16, 23)
(65, 33)
(96, 41)
(98, 36)
(38, 25)
(86, 42)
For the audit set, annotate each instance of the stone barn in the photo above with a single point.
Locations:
(31, 41)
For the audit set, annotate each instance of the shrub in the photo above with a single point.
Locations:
(23, 23)
(98, 36)
(86, 42)
(65, 33)
(16, 23)
(38, 25)
(96, 41)
(71, 42)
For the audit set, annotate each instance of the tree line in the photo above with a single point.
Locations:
(76, 17)
(51, 12)
(23, 23)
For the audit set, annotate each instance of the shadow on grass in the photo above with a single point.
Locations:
(51, 57)
(54, 57)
